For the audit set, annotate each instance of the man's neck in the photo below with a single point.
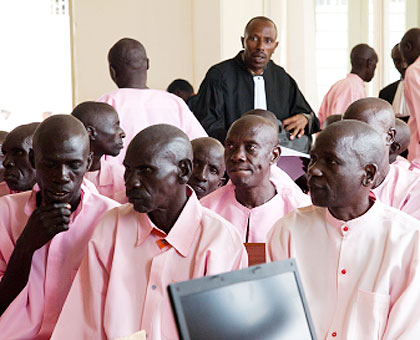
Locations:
(165, 219)
(255, 196)
(96, 162)
(135, 83)
(350, 212)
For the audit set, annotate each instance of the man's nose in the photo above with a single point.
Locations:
(201, 174)
(62, 174)
(8, 161)
(238, 155)
(314, 170)
(132, 181)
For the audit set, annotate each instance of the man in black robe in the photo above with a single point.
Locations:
(252, 81)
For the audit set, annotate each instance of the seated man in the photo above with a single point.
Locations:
(19, 175)
(106, 139)
(136, 104)
(208, 166)
(163, 236)
(396, 187)
(3, 135)
(44, 232)
(358, 258)
(400, 145)
(251, 201)
(251, 80)
(344, 92)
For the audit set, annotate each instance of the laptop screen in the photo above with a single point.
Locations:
(262, 302)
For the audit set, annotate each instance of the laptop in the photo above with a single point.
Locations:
(264, 302)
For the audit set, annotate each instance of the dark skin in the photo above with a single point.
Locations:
(379, 115)
(251, 147)
(410, 45)
(18, 171)
(259, 43)
(128, 64)
(158, 166)
(402, 140)
(363, 61)
(3, 135)
(61, 158)
(103, 126)
(208, 166)
(398, 60)
(343, 168)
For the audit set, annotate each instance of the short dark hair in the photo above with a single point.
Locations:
(181, 85)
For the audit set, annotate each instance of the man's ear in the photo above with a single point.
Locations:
(390, 138)
(371, 171)
(243, 42)
(31, 157)
(91, 132)
(113, 73)
(275, 154)
(184, 170)
(89, 160)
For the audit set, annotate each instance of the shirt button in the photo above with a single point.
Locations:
(346, 228)
(343, 271)
(334, 334)
(153, 287)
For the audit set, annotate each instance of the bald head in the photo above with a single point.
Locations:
(363, 60)
(410, 45)
(402, 139)
(162, 139)
(265, 114)
(59, 130)
(376, 112)
(88, 112)
(258, 124)
(128, 63)
(362, 140)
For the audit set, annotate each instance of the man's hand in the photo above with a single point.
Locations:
(295, 125)
(44, 223)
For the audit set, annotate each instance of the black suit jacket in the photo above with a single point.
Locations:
(388, 92)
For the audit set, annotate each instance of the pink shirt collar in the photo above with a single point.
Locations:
(182, 234)
(356, 77)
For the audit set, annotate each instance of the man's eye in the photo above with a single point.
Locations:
(75, 166)
(214, 171)
(251, 148)
(268, 41)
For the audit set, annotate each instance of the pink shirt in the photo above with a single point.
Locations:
(34, 312)
(122, 283)
(109, 179)
(341, 95)
(402, 162)
(139, 109)
(412, 97)
(255, 222)
(401, 190)
(4, 189)
(361, 277)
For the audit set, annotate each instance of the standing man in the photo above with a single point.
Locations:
(410, 50)
(363, 60)
(394, 92)
(252, 80)
(136, 104)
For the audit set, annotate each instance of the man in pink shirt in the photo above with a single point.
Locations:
(358, 258)
(410, 50)
(137, 105)
(44, 232)
(3, 135)
(106, 140)
(208, 166)
(396, 186)
(363, 60)
(251, 201)
(400, 145)
(19, 175)
(163, 236)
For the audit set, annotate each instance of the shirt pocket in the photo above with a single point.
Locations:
(371, 315)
